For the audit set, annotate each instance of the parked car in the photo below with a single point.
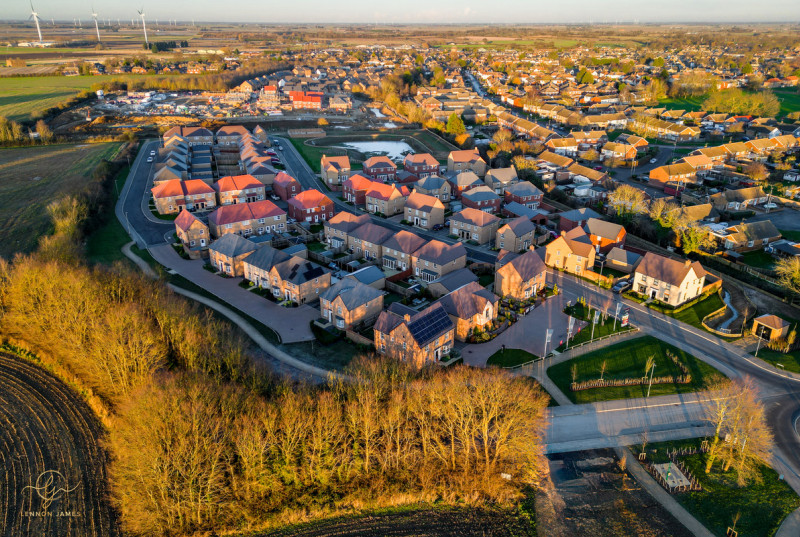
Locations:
(598, 168)
(437, 227)
(275, 197)
(653, 160)
(621, 286)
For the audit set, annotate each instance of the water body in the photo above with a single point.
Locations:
(396, 151)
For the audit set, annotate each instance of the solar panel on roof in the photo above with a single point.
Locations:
(429, 326)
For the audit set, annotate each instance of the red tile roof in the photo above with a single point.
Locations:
(237, 182)
(309, 199)
(239, 212)
(283, 178)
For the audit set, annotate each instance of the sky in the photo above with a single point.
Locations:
(416, 11)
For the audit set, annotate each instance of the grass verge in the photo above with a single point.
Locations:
(510, 358)
(627, 360)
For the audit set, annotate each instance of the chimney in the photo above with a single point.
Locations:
(688, 262)
(407, 317)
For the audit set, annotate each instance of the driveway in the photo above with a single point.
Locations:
(292, 324)
(788, 219)
(528, 334)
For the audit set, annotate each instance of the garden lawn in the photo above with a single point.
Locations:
(627, 360)
(790, 234)
(693, 315)
(790, 100)
(759, 259)
(763, 505)
(510, 358)
(690, 104)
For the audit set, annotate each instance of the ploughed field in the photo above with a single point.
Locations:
(53, 480)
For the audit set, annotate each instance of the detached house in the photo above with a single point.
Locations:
(463, 182)
(380, 169)
(745, 237)
(605, 235)
(471, 307)
(239, 189)
(386, 199)
(193, 195)
(285, 186)
(310, 206)
(500, 178)
(680, 172)
(334, 170)
(435, 186)
(256, 218)
(466, 160)
(472, 224)
(422, 165)
(348, 303)
(482, 198)
(424, 211)
(572, 252)
(524, 193)
(355, 188)
(436, 258)
(669, 280)
(520, 276)
(738, 200)
(417, 338)
(192, 233)
(516, 235)
(298, 280)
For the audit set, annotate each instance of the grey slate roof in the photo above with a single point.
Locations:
(232, 245)
(353, 293)
(455, 279)
(266, 257)
(523, 188)
(576, 215)
(601, 228)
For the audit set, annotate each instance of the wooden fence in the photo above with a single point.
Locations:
(357, 338)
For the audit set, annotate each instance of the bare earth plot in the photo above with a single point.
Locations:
(32, 177)
(53, 480)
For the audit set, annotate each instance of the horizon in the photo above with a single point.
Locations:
(444, 12)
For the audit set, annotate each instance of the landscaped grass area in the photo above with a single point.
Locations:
(31, 178)
(627, 359)
(601, 329)
(763, 504)
(510, 358)
(759, 259)
(694, 314)
(335, 355)
(105, 244)
(790, 361)
(20, 97)
(790, 100)
(791, 235)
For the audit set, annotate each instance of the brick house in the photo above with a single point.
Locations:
(424, 211)
(524, 193)
(334, 170)
(572, 251)
(421, 164)
(680, 172)
(355, 188)
(310, 206)
(669, 280)
(416, 338)
(239, 189)
(520, 276)
(246, 219)
(298, 280)
(436, 258)
(463, 182)
(339, 228)
(499, 178)
(482, 198)
(285, 186)
(386, 199)
(258, 265)
(193, 195)
(435, 186)
(348, 303)
(227, 254)
(192, 233)
(745, 236)
(470, 307)
(472, 224)
(466, 160)
(575, 218)
(739, 199)
(605, 235)
(231, 134)
(380, 169)
(515, 235)
(398, 250)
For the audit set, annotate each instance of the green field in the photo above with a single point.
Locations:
(21, 97)
(790, 100)
(627, 360)
(762, 504)
(510, 358)
(690, 104)
(31, 178)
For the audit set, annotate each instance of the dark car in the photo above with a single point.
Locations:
(621, 286)
(437, 227)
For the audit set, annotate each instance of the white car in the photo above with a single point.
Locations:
(152, 153)
(150, 159)
(653, 160)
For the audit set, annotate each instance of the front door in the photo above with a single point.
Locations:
(653, 293)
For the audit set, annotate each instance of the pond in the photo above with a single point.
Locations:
(396, 151)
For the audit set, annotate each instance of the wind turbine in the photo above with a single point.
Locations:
(96, 27)
(35, 17)
(141, 14)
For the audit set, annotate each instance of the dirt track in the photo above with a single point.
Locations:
(49, 453)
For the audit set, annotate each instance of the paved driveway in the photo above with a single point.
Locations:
(292, 324)
(527, 334)
(787, 219)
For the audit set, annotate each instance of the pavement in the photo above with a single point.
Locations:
(292, 325)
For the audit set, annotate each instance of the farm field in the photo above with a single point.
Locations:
(48, 432)
(32, 177)
(22, 97)
(627, 360)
